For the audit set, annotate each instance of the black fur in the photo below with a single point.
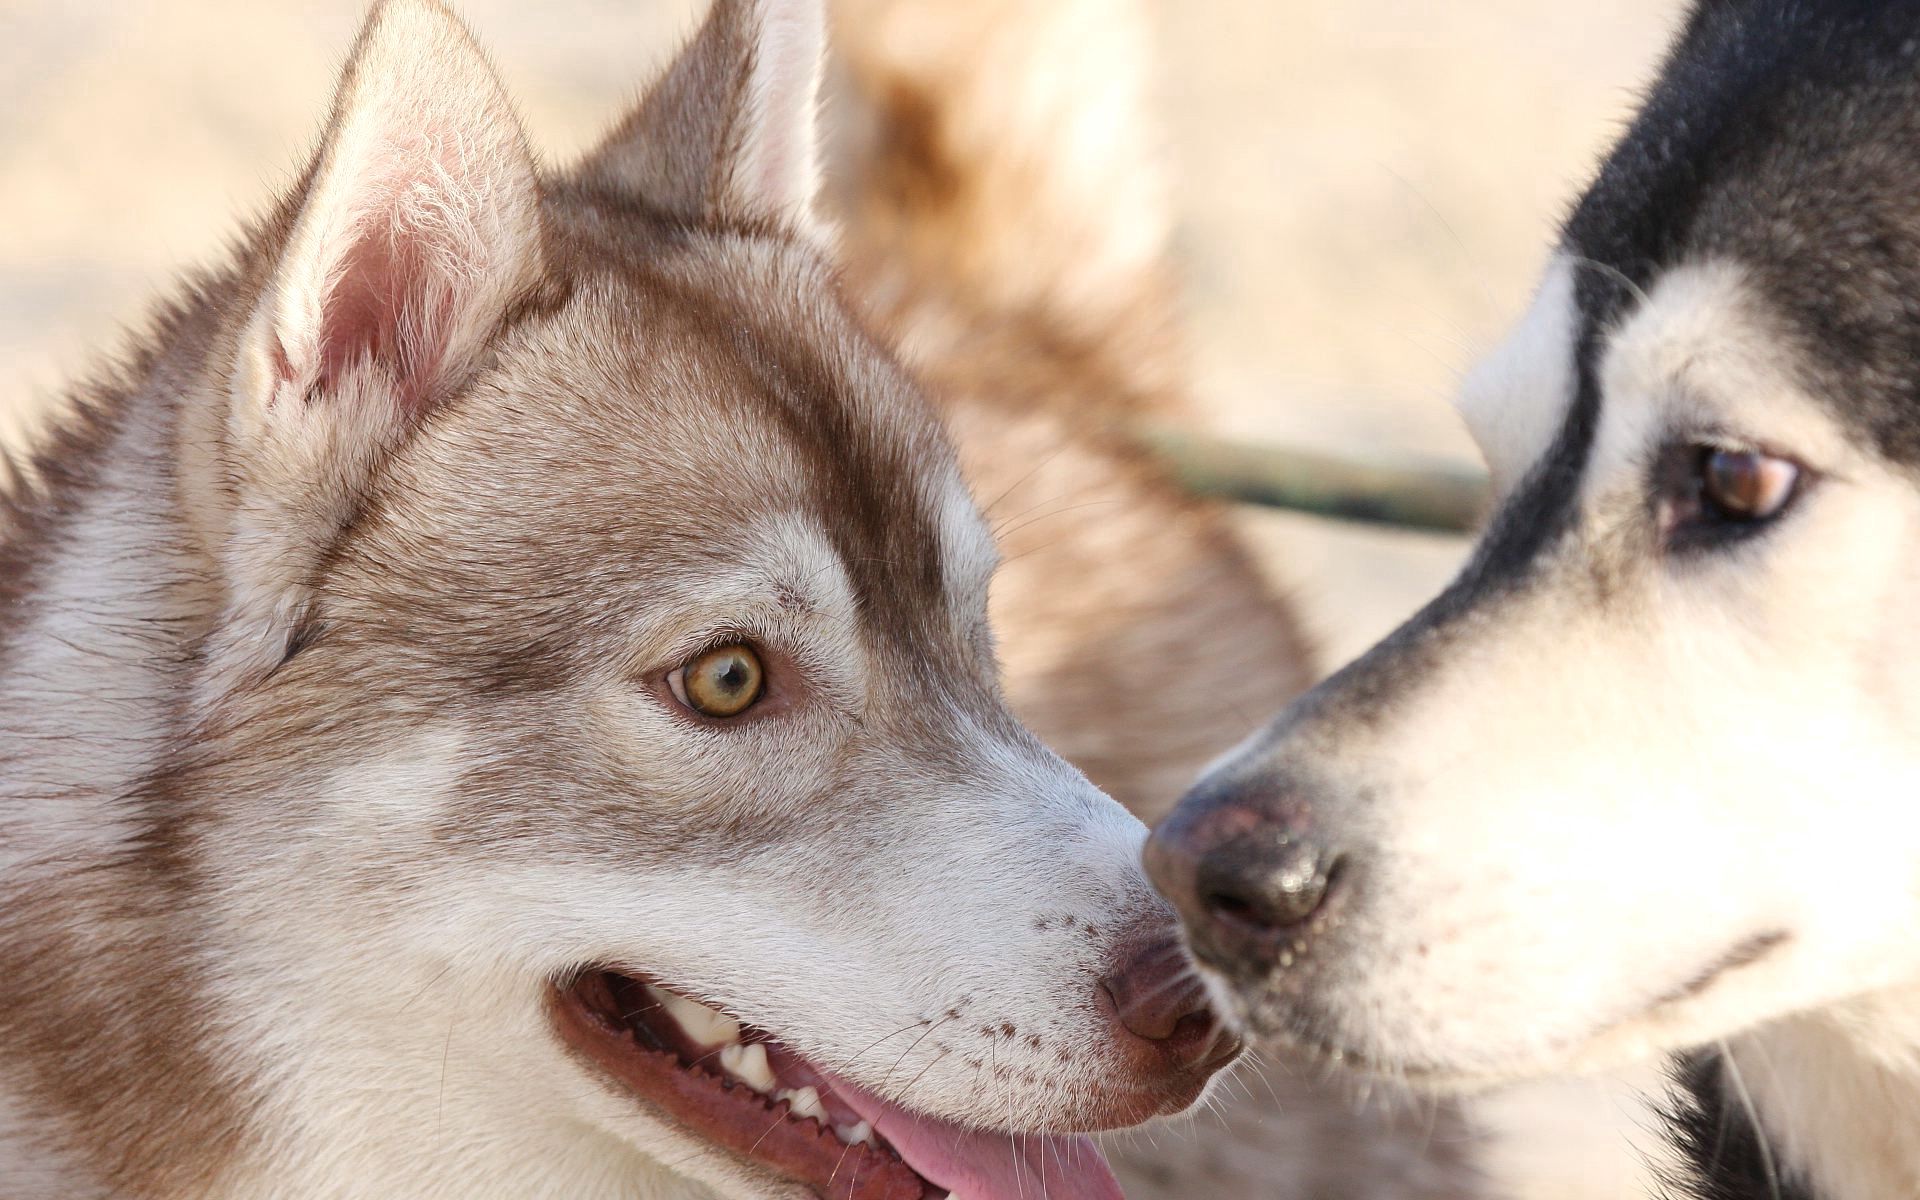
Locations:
(1781, 134)
(1784, 135)
(1724, 1156)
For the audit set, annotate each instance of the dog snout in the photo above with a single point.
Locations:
(1247, 872)
(1166, 1038)
(1159, 999)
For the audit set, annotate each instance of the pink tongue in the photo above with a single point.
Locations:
(977, 1165)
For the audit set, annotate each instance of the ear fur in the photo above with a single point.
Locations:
(416, 229)
(728, 133)
(419, 224)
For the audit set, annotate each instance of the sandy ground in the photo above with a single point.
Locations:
(1366, 189)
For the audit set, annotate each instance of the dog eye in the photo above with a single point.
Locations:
(1746, 485)
(1712, 494)
(723, 682)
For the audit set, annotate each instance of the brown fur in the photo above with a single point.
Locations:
(91, 958)
(1137, 635)
(66, 1029)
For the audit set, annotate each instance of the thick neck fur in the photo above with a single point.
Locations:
(105, 597)
(107, 600)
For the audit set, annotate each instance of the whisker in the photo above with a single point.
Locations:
(1753, 1115)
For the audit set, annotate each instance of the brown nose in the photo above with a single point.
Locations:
(1158, 997)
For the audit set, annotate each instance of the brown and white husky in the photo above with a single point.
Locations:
(498, 700)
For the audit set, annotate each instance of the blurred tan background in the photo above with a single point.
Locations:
(1366, 188)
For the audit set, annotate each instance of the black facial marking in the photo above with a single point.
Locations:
(1680, 184)
(1542, 511)
(1783, 135)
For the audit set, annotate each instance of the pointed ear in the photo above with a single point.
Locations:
(414, 232)
(728, 133)
(418, 226)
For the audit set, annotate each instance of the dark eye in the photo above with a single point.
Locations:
(723, 682)
(1713, 493)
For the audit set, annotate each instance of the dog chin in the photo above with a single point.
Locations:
(1453, 1069)
(1711, 1004)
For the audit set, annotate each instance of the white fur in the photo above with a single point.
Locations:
(1838, 1092)
(424, 151)
(374, 953)
(967, 546)
(93, 619)
(431, 1013)
(777, 171)
(1513, 401)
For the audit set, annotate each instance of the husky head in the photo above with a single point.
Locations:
(1639, 778)
(599, 759)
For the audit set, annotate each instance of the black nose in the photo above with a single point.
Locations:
(1247, 872)
(1264, 880)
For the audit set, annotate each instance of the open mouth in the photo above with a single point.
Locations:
(741, 1090)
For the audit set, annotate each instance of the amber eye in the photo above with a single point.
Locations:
(1746, 485)
(723, 682)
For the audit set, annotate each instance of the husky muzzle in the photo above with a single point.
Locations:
(1253, 877)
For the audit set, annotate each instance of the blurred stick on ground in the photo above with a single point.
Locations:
(1351, 487)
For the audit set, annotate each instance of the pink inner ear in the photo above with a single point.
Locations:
(389, 308)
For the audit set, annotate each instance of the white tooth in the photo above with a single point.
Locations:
(705, 1026)
(804, 1103)
(853, 1135)
(748, 1064)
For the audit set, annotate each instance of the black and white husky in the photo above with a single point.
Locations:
(1642, 780)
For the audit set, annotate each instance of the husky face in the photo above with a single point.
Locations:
(597, 761)
(490, 725)
(1633, 782)
(1579, 793)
